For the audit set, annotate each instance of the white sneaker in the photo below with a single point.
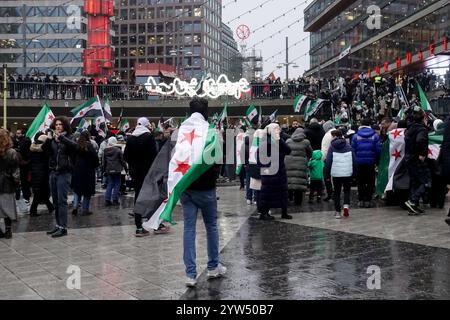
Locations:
(217, 272)
(249, 202)
(190, 283)
(338, 215)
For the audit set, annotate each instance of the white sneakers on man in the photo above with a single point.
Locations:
(218, 272)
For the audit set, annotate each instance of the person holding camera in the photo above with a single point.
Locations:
(61, 149)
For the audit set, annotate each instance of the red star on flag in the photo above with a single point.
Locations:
(396, 134)
(430, 152)
(81, 113)
(183, 167)
(51, 117)
(397, 154)
(190, 136)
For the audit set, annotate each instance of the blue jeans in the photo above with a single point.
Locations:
(86, 202)
(113, 187)
(59, 188)
(207, 202)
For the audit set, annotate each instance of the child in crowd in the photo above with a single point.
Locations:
(316, 166)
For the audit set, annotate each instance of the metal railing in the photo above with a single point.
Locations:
(78, 91)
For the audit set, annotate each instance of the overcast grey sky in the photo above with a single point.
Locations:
(270, 47)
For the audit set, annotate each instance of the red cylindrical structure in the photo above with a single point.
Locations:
(98, 56)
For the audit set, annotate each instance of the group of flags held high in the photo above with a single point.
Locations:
(311, 106)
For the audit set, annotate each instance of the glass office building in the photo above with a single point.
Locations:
(42, 37)
(406, 26)
(182, 33)
(231, 57)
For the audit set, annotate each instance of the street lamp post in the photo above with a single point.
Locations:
(5, 91)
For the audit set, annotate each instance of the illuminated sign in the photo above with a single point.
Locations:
(210, 88)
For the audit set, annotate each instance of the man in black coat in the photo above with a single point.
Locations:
(140, 152)
(315, 133)
(22, 146)
(445, 158)
(416, 150)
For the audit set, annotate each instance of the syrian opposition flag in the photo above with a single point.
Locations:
(107, 110)
(100, 125)
(42, 122)
(273, 116)
(300, 102)
(197, 144)
(313, 107)
(240, 161)
(252, 112)
(89, 109)
(84, 124)
(401, 113)
(255, 146)
(434, 146)
(423, 100)
(124, 125)
(392, 154)
(224, 115)
(272, 77)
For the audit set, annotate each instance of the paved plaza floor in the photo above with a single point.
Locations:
(313, 256)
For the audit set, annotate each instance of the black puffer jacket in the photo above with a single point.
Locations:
(39, 169)
(416, 141)
(83, 178)
(61, 152)
(445, 151)
(314, 133)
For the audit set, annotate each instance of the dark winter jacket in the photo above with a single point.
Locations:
(416, 142)
(367, 146)
(140, 152)
(61, 153)
(251, 168)
(113, 162)
(314, 133)
(83, 178)
(9, 171)
(445, 151)
(22, 146)
(341, 160)
(297, 162)
(39, 169)
(274, 188)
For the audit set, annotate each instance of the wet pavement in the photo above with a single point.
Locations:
(313, 256)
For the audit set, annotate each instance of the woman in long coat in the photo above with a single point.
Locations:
(297, 165)
(274, 183)
(83, 178)
(9, 181)
(39, 175)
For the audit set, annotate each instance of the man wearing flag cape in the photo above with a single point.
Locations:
(192, 175)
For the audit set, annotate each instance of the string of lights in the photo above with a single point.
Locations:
(291, 46)
(250, 11)
(279, 17)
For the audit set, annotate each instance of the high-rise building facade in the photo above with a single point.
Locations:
(231, 57)
(349, 36)
(43, 37)
(182, 33)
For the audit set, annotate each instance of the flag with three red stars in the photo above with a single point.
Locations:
(196, 151)
(392, 154)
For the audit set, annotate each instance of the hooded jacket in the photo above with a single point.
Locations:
(113, 162)
(316, 165)
(297, 162)
(341, 160)
(367, 146)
